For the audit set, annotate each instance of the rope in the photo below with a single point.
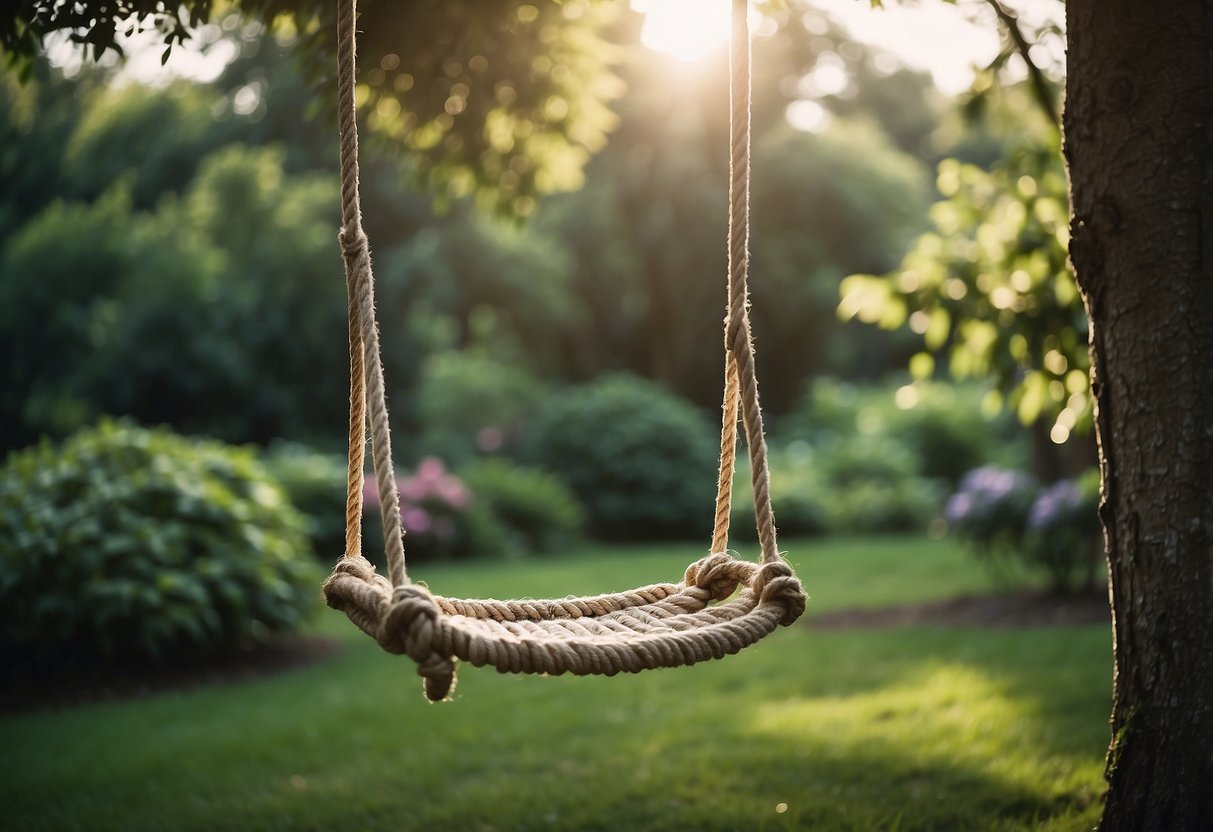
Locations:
(365, 387)
(741, 382)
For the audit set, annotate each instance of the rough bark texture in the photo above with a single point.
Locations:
(1139, 142)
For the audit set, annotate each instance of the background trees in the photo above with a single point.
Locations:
(215, 234)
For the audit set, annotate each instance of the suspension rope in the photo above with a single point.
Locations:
(741, 382)
(366, 369)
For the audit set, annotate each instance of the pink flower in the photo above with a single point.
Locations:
(414, 489)
(444, 528)
(431, 469)
(370, 492)
(415, 520)
(489, 439)
(454, 492)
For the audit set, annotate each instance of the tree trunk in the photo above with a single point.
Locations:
(1139, 142)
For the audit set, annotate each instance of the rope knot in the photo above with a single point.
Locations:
(412, 626)
(337, 587)
(353, 242)
(718, 574)
(775, 583)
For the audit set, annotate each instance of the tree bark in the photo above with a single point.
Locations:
(1139, 143)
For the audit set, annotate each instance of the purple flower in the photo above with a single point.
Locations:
(993, 483)
(1053, 504)
(958, 507)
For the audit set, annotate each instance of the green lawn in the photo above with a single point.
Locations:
(918, 728)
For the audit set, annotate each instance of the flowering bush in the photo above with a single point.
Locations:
(990, 507)
(1005, 513)
(1063, 530)
(440, 517)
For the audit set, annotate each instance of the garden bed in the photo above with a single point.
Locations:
(38, 686)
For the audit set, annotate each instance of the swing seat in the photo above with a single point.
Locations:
(662, 625)
(705, 616)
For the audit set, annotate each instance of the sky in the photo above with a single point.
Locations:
(930, 35)
(942, 38)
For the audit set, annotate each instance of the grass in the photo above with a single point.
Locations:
(912, 729)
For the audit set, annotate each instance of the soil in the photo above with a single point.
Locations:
(43, 685)
(1017, 610)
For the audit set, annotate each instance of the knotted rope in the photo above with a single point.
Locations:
(663, 625)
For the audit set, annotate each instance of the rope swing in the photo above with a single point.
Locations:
(663, 625)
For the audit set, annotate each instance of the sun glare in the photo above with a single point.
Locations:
(685, 29)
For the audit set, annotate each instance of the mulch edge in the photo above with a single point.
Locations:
(31, 688)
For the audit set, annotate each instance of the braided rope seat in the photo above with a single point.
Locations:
(663, 625)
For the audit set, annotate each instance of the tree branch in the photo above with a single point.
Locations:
(1040, 84)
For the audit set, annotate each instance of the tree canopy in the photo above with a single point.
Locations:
(495, 99)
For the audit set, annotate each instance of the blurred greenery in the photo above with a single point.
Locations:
(639, 459)
(989, 287)
(536, 511)
(876, 458)
(127, 543)
(470, 402)
(500, 99)
(217, 238)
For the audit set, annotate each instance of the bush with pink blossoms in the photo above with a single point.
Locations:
(441, 518)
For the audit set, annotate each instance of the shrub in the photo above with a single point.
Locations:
(852, 485)
(799, 496)
(1062, 531)
(1005, 515)
(990, 507)
(874, 485)
(471, 404)
(535, 508)
(641, 460)
(945, 427)
(125, 542)
(440, 516)
(942, 425)
(314, 483)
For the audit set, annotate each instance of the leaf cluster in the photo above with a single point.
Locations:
(497, 99)
(989, 288)
(126, 542)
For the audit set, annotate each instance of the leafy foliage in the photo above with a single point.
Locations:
(536, 510)
(989, 287)
(469, 403)
(253, 307)
(128, 542)
(943, 426)
(499, 99)
(824, 205)
(639, 459)
(851, 485)
(314, 483)
(990, 509)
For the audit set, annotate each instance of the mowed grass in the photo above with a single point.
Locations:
(914, 729)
